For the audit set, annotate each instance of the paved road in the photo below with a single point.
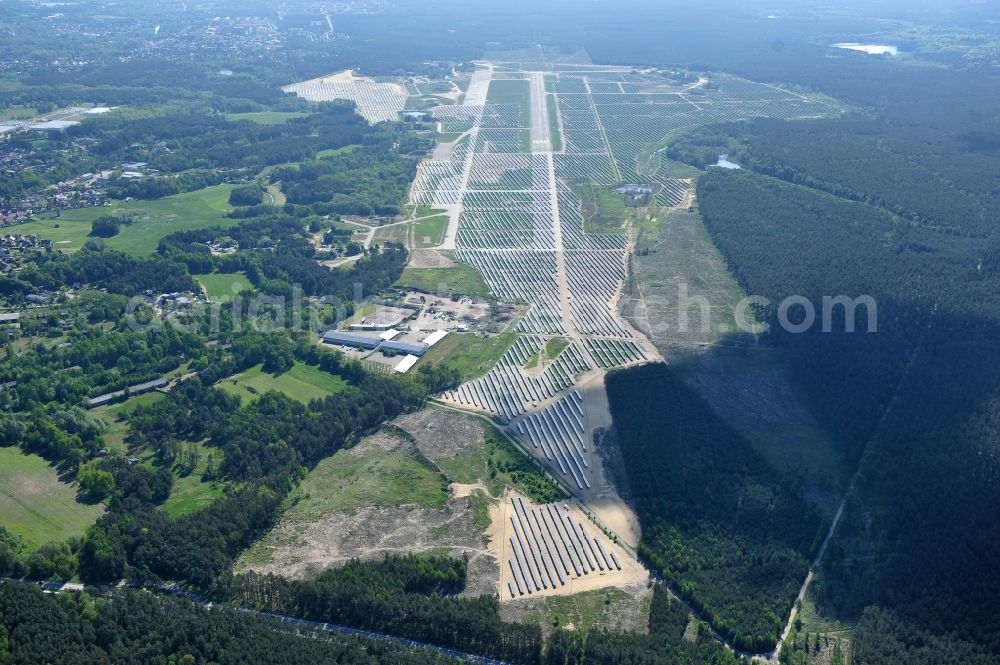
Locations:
(540, 136)
(479, 85)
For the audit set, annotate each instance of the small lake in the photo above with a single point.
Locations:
(870, 49)
(726, 164)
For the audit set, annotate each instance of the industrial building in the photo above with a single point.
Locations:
(137, 389)
(53, 125)
(404, 365)
(404, 347)
(435, 337)
(341, 338)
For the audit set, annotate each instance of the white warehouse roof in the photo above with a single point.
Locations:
(405, 364)
(435, 337)
(54, 125)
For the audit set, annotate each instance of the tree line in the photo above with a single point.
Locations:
(130, 626)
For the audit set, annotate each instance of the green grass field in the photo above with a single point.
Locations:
(470, 354)
(462, 279)
(18, 112)
(190, 492)
(35, 504)
(604, 211)
(429, 232)
(219, 285)
(156, 218)
(279, 196)
(420, 234)
(555, 346)
(425, 210)
(330, 152)
(266, 117)
(447, 137)
(302, 382)
(368, 475)
(609, 608)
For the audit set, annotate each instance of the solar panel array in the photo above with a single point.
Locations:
(548, 548)
(376, 102)
(522, 225)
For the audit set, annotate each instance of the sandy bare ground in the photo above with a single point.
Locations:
(442, 434)
(302, 548)
(502, 533)
(430, 258)
(300, 551)
(346, 76)
(603, 498)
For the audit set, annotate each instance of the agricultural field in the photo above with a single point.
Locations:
(35, 504)
(302, 382)
(153, 220)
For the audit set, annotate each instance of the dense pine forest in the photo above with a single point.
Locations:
(128, 626)
(717, 523)
(862, 206)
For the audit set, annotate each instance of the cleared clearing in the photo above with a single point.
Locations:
(35, 504)
(620, 609)
(302, 382)
(221, 286)
(460, 279)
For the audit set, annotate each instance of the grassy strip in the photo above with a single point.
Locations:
(555, 136)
